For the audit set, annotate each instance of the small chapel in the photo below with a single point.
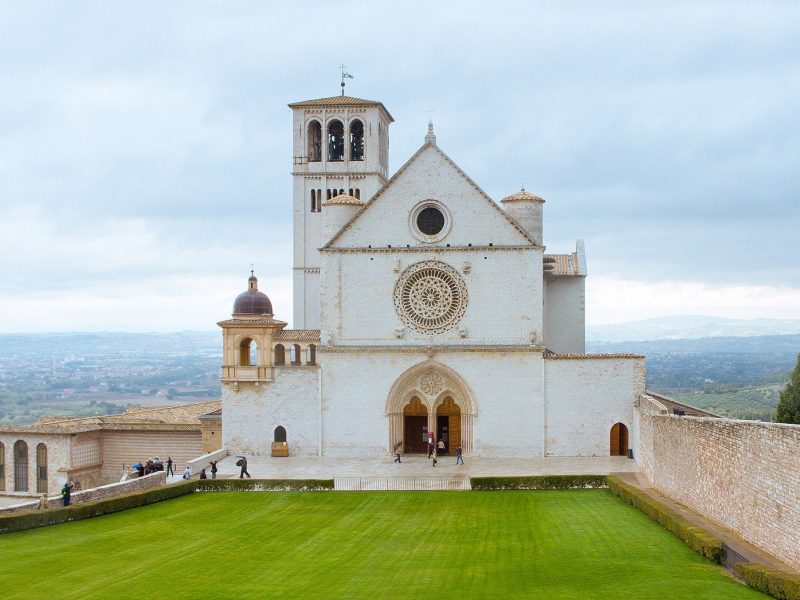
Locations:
(422, 309)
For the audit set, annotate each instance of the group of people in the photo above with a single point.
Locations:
(154, 465)
(187, 472)
(440, 451)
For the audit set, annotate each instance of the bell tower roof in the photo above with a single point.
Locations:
(341, 101)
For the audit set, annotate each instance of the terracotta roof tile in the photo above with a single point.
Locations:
(563, 264)
(298, 335)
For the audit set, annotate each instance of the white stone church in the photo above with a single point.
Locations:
(423, 308)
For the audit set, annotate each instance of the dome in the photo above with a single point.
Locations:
(522, 196)
(252, 302)
(343, 199)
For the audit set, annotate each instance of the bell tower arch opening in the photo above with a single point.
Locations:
(430, 398)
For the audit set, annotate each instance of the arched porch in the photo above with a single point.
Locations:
(430, 398)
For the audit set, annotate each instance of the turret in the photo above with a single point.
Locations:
(338, 211)
(526, 209)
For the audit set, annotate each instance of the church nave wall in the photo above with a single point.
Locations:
(585, 398)
(251, 414)
(503, 297)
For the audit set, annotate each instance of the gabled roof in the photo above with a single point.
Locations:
(340, 101)
(183, 417)
(402, 169)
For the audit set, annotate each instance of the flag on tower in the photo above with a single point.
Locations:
(347, 75)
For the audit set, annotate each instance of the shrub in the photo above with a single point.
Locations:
(261, 485)
(778, 584)
(698, 539)
(545, 482)
(76, 512)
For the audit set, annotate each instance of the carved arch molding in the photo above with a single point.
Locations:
(425, 388)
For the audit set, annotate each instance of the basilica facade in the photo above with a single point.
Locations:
(422, 309)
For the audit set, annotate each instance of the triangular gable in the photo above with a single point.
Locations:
(519, 233)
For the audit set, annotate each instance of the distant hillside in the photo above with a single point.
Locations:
(690, 327)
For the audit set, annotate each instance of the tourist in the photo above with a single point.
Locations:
(187, 473)
(66, 492)
(396, 451)
(397, 457)
(169, 467)
(459, 455)
(242, 462)
(203, 474)
(440, 448)
(430, 444)
(213, 469)
(434, 460)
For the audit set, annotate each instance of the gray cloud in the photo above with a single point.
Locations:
(665, 135)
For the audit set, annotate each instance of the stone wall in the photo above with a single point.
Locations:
(127, 447)
(99, 493)
(565, 314)
(585, 397)
(743, 474)
(58, 450)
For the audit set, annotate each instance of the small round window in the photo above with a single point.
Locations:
(430, 220)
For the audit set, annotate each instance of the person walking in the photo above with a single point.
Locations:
(434, 460)
(459, 455)
(169, 467)
(242, 462)
(66, 492)
(203, 474)
(213, 469)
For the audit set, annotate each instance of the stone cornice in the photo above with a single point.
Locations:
(581, 356)
(425, 249)
(338, 174)
(432, 349)
(243, 323)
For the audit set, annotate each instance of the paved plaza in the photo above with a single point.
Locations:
(302, 467)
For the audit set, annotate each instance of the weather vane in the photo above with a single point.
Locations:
(345, 75)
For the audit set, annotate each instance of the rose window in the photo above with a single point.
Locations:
(430, 297)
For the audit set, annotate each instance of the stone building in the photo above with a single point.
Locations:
(39, 458)
(423, 308)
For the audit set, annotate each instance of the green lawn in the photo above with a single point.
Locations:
(432, 545)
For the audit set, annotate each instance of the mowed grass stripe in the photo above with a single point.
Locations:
(543, 544)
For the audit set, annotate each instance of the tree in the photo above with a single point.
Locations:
(788, 410)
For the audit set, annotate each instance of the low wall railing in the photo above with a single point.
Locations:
(97, 493)
(410, 483)
(204, 462)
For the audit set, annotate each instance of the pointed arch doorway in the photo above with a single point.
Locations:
(430, 398)
(415, 426)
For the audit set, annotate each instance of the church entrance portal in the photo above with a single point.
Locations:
(415, 427)
(430, 399)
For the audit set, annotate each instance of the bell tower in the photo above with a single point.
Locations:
(340, 147)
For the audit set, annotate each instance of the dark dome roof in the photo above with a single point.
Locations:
(252, 302)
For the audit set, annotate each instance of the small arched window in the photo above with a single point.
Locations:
(20, 466)
(248, 353)
(314, 141)
(295, 355)
(319, 200)
(329, 194)
(41, 469)
(335, 140)
(313, 201)
(280, 434)
(280, 355)
(356, 140)
(311, 359)
(358, 193)
(2, 467)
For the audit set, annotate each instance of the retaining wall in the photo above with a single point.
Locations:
(742, 474)
(99, 493)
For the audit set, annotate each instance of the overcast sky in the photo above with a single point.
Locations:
(145, 148)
